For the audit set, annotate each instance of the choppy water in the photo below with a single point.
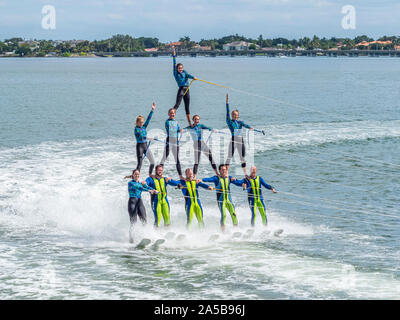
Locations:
(66, 142)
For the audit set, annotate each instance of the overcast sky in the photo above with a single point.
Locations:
(169, 20)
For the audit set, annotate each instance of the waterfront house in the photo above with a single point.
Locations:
(238, 46)
(177, 44)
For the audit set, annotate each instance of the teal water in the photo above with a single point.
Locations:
(332, 150)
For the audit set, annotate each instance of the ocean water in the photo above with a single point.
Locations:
(331, 150)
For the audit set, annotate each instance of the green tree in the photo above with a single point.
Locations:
(260, 40)
(23, 50)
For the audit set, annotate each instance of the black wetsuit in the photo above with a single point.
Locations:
(186, 99)
(140, 151)
(136, 208)
(171, 143)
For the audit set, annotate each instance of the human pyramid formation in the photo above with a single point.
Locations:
(157, 184)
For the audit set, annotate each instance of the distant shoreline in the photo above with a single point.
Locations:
(213, 54)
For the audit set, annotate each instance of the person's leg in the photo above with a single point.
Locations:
(132, 210)
(231, 151)
(189, 214)
(263, 213)
(140, 150)
(231, 210)
(253, 210)
(199, 214)
(197, 154)
(152, 163)
(166, 152)
(179, 96)
(141, 211)
(242, 153)
(132, 217)
(165, 212)
(221, 207)
(155, 205)
(175, 152)
(208, 153)
(186, 100)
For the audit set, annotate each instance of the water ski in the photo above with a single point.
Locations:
(213, 237)
(180, 237)
(237, 235)
(248, 233)
(170, 235)
(278, 232)
(142, 244)
(157, 244)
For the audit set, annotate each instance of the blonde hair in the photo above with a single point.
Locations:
(139, 118)
(236, 110)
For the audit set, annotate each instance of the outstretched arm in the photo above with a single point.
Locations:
(211, 179)
(145, 187)
(246, 126)
(203, 127)
(238, 183)
(203, 185)
(266, 185)
(150, 182)
(173, 183)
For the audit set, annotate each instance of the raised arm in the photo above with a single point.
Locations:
(153, 107)
(174, 71)
(228, 116)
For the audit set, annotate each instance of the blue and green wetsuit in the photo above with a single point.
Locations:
(159, 201)
(255, 197)
(224, 199)
(192, 200)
